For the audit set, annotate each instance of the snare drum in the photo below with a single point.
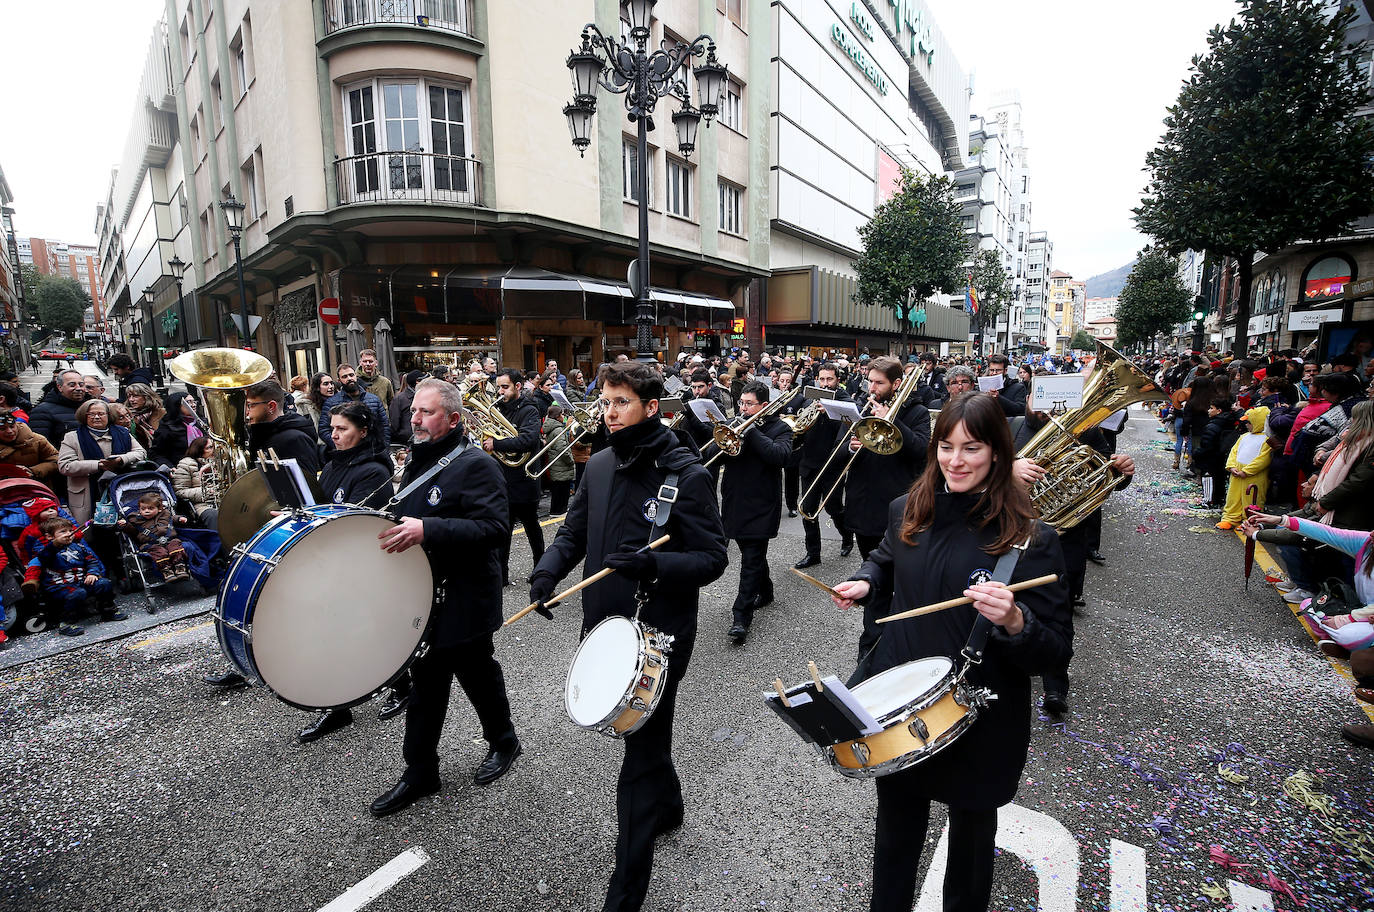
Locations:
(617, 677)
(922, 706)
(314, 609)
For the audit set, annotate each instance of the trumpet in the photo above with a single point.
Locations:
(587, 420)
(485, 421)
(729, 437)
(879, 435)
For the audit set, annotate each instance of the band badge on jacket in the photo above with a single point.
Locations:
(980, 577)
(434, 495)
(650, 509)
(339, 495)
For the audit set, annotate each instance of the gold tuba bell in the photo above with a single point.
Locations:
(1079, 479)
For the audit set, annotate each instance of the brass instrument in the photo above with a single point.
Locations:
(223, 376)
(484, 420)
(880, 435)
(587, 421)
(1079, 479)
(802, 421)
(729, 436)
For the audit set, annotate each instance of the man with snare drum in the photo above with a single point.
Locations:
(459, 516)
(643, 485)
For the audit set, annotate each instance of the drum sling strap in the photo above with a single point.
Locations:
(666, 497)
(428, 473)
(982, 627)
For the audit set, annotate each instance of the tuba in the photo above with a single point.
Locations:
(223, 376)
(1079, 479)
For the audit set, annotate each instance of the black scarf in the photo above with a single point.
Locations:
(120, 442)
(626, 440)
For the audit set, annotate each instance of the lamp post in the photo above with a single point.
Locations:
(233, 218)
(155, 361)
(643, 77)
(178, 272)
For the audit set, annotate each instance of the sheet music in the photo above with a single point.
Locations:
(706, 410)
(673, 385)
(870, 725)
(819, 392)
(841, 410)
(995, 382)
(669, 405)
(562, 398)
(1114, 422)
(775, 394)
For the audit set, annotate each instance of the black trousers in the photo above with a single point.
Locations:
(834, 507)
(754, 581)
(473, 663)
(903, 817)
(527, 514)
(1094, 529)
(790, 483)
(648, 791)
(559, 492)
(867, 543)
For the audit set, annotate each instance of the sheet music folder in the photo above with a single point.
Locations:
(289, 485)
(824, 717)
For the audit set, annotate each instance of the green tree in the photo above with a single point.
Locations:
(60, 303)
(1083, 341)
(993, 284)
(913, 247)
(1153, 298)
(1263, 148)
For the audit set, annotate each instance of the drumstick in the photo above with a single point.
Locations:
(600, 574)
(952, 603)
(817, 583)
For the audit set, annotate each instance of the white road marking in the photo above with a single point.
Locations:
(1249, 899)
(1128, 877)
(1042, 842)
(379, 881)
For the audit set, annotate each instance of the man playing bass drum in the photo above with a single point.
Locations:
(619, 507)
(946, 539)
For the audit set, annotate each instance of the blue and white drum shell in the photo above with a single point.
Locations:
(314, 609)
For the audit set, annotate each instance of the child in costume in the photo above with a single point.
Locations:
(1247, 465)
(68, 572)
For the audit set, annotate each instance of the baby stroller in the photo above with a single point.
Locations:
(14, 490)
(201, 544)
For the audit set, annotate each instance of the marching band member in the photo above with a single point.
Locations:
(816, 446)
(790, 475)
(643, 484)
(943, 540)
(522, 490)
(460, 517)
(751, 502)
(959, 379)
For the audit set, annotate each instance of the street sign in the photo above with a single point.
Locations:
(632, 278)
(329, 311)
(1355, 290)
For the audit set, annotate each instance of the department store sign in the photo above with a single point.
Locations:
(912, 28)
(855, 52)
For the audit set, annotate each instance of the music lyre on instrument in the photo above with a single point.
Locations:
(955, 602)
(598, 575)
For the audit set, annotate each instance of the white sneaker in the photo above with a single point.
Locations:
(1284, 586)
(1296, 596)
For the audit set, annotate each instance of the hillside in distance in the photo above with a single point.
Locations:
(1108, 284)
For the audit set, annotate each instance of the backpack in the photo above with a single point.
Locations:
(1335, 597)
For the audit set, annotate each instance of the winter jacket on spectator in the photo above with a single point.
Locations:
(54, 417)
(290, 438)
(322, 430)
(189, 484)
(138, 375)
(399, 414)
(31, 451)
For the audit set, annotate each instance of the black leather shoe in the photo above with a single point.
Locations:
(393, 704)
(763, 601)
(497, 764)
(228, 679)
(1097, 557)
(669, 819)
(329, 720)
(738, 632)
(846, 548)
(1056, 704)
(810, 560)
(401, 796)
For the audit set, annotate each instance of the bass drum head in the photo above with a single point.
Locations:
(603, 671)
(889, 692)
(338, 617)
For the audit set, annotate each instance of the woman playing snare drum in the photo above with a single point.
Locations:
(943, 539)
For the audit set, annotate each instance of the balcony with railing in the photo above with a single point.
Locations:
(446, 15)
(408, 177)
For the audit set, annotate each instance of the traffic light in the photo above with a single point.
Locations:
(1199, 315)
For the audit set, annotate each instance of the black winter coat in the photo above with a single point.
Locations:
(289, 437)
(53, 417)
(1012, 398)
(873, 481)
(358, 476)
(751, 483)
(982, 769)
(524, 416)
(137, 375)
(1208, 456)
(399, 415)
(466, 518)
(608, 514)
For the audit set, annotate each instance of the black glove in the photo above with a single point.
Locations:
(541, 587)
(637, 565)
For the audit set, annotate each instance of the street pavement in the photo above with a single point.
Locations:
(1201, 763)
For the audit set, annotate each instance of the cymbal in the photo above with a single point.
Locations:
(245, 508)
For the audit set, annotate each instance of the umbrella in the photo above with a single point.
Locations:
(355, 343)
(386, 351)
(1251, 492)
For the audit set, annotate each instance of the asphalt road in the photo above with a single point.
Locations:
(1199, 712)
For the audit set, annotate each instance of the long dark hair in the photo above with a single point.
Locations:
(316, 399)
(1201, 392)
(1003, 501)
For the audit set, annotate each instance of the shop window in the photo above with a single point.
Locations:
(1326, 278)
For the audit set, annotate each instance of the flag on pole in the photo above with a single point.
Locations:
(970, 296)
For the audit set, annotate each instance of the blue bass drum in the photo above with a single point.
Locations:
(314, 609)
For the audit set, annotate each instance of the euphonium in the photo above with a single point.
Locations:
(1079, 479)
(483, 421)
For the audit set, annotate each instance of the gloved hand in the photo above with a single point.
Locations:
(634, 564)
(541, 587)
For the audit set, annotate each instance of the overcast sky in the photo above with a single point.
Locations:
(1094, 77)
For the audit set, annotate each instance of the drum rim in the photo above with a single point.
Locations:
(920, 755)
(929, 697)
(604, 726)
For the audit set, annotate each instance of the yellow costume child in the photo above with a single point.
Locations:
(1247, 465)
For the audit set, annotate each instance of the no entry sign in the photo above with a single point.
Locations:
(329, 311)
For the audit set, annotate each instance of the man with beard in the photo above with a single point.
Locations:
(350, 390)
(372, 380)
(816, 446)
(522, 490)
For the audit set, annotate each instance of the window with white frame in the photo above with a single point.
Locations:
(241, 49)
(250, 181)
(731, 113)
(387, 118)
(731, 199)
(630, 156)
(216, 105)
(679, 188)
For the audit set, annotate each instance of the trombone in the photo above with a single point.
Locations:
(587, 421)
(879, 435)
(729, 437)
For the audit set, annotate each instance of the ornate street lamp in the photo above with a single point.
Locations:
(233, 219)
(155, 359)
(178, 272)
(643, 77)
